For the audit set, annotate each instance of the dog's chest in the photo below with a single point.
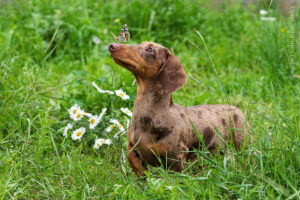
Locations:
(148, 137)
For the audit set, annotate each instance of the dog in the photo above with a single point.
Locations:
(161, 131)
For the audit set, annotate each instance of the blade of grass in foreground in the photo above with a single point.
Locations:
(201, 141)
(214, 68)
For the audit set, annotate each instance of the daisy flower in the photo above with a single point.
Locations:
(78, 133)
(117, 123)
(96, 40)
(76, 113)
(122, 94)
(78, 116)
(99, 142)
(94, 121)
(68, 127)
(263, 12)
(126, 111)
(100, 90)
(110, 128)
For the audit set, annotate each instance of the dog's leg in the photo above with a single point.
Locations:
(135, 162)
(213, 151)
(181, 158)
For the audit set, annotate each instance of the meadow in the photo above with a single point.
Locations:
(52, 51)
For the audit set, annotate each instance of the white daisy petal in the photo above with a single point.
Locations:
(68, 127)
(114, 121)
(102, 113)
(100, 90)
(78, 133)
(122, 94)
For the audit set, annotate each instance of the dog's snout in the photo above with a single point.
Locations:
(113, 46)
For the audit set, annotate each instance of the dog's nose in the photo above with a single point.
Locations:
(113, 46)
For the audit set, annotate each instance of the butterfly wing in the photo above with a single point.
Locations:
(127, 36)
(124, 34)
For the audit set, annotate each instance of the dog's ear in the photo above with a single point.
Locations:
(170, 76)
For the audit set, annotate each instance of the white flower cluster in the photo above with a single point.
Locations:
(76, 114)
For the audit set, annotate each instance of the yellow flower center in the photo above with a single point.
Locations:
(74, 111)
(122, 95)
(127, 111)
(78, 133)
(78, 115)
(98, 144)
(92, 121)
(112, 126)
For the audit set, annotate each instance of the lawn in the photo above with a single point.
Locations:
(52, 51)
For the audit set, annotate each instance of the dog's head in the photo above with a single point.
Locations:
(152, 62)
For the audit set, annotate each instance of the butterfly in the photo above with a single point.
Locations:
(124, 34)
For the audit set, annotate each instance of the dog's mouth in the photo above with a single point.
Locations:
(124, 64)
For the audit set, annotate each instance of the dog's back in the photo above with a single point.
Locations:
(219, 124)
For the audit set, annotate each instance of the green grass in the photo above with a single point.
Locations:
(48, 61)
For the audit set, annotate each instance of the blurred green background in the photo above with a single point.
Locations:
(50, 54)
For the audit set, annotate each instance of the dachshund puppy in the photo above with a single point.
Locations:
(161, 129)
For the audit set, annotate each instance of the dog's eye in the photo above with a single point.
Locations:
(149, 49)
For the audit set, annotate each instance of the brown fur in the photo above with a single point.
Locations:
(161, 129)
